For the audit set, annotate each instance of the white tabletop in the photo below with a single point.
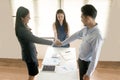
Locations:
(64, 60)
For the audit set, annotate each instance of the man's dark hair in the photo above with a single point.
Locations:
(89, 10)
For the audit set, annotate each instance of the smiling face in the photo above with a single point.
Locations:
(86, 20)
(26, 19)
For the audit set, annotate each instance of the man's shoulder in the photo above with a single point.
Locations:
(97, 33)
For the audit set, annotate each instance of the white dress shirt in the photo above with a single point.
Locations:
(90, 47)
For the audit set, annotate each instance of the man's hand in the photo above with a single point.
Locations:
(85, 77)
(58, 42)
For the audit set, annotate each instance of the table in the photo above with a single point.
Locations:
(65, 63)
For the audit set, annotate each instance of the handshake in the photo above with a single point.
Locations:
(58, 43)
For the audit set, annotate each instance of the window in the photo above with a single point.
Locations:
(45, 17)
(72, 10)
(26, 3)
(103, 7)
(43, 14)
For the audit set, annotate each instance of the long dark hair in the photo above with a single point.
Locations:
(21, 13)
(65, 24)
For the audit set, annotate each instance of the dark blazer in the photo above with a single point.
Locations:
(27, 40)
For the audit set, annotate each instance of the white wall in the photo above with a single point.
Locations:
(9, 46)
(111, 47)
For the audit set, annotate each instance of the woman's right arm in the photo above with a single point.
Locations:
(55, 32)
(28, 36)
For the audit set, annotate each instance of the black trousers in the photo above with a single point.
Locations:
(83, 67)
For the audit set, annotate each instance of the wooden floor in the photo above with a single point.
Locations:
(16, 70)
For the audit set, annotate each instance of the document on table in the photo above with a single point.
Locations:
(51, 61)
(67, 55)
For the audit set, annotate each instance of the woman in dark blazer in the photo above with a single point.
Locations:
(27, 40)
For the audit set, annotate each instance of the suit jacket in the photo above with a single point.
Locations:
(27, 40)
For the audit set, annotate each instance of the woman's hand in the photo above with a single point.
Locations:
(58, 42)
